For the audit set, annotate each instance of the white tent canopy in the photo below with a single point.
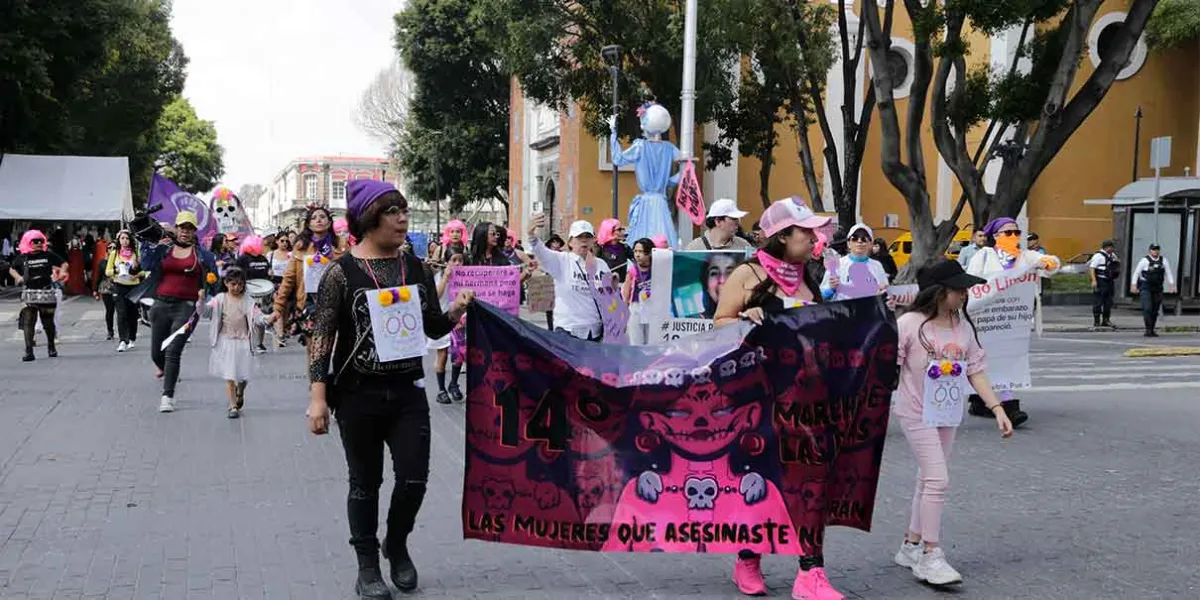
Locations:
(65, 188)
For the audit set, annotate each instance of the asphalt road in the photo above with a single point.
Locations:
(103, 497)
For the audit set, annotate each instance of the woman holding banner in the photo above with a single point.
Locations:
(773, 281)
(576, 274)
(1004, 253)
(377, 400)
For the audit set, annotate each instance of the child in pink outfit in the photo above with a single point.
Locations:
(940, 361)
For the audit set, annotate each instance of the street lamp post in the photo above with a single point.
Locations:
(1137, 140)
(687, 116)
(612, 56)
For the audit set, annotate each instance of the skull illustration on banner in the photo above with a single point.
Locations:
(228, 214)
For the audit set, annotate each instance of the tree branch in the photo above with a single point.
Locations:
(898, 174)
(922, 73)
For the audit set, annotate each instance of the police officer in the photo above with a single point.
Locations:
(1105, 270)
(1153, 272)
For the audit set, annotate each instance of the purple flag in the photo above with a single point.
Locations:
(174, 200)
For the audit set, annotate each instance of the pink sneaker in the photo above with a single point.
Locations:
(748, 576)
(814, 585)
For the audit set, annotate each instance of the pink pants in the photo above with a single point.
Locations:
(931, 447)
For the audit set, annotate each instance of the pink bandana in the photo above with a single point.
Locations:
(785, 275)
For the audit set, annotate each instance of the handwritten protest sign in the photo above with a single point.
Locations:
(1003, 311)
(688, 195)
(500, 286)
(614, 311)
(539, 291)
(396, 323)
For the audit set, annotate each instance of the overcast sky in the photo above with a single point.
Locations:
(282, 78)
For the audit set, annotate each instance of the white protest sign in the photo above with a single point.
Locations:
(396, 323)
(1003, 312)
(314, 269)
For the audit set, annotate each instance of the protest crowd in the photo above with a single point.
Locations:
(658, 371)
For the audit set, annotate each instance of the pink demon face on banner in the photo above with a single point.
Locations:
(227, 212)
(704, 421)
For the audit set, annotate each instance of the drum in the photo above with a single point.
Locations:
(259, 288)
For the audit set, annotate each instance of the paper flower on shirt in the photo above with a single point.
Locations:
(947, 367)
(211, 279)
(404, 294)
(934, 371)
(387, 297)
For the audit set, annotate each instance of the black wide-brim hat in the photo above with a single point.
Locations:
(947, 273)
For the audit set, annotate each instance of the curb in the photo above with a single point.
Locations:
(1078, 329)
(1163, 351)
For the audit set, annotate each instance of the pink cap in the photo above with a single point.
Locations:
(793, 212)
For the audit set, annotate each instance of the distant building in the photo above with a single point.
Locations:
(317, 179)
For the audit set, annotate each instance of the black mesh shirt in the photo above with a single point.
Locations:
(343, 347)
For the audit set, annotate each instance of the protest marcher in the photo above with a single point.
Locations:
(280, 256)
(611, 248)
(773, 281)
(940, 357)
(486, 248)
(104, 293)
(441, 346)
(1104, 270)
(858, 274)
(1004, 253)
(636, 292)
(315, 249)
(235, 316)
(256, 269)
(376, 402)
(721, 228)
(454, 238)
(182, 274)
(879, 252)
(576, 273)
(38, 269)
(1151, 275)
(556, 243)
(1033, 243)
(979, 241)
(124, 268)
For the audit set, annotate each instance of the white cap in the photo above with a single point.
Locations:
(725, 208)
(579, 228)
(860, 227)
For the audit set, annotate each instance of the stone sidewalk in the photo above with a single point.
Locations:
(102, 497)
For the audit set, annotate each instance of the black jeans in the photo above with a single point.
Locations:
(369, 417)
(1151, 307)
(110, 306)
(166, 317)
(1102, 300)
(127, 313)
(30, 313)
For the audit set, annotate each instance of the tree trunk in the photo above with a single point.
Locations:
(766, 163)
(806, 164)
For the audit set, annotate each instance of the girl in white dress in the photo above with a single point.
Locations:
(234, 315)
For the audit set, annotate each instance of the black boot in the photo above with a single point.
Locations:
(1012, 408)
(28, 355)
(977, 408)
(370, 585)
(404, 572)
(1095, 320)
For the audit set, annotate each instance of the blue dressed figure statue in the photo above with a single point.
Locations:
(653, 159)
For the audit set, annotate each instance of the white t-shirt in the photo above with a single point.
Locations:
(574, 307)
(845, 264)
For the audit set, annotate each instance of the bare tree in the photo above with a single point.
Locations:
(1037, 105)
(383, 108)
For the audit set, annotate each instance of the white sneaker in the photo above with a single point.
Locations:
(909, 554)
(934, 570)
(166, 405)
(129, 345)
(122, 347)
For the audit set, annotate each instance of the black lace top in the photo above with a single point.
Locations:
(342, 342)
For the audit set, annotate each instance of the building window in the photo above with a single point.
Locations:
(337, 191)
(1100, 40)
(310, 186)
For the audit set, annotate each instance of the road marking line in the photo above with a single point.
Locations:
(1116, 387)
(1129, 369)
(1108, 342)
(1181, 374)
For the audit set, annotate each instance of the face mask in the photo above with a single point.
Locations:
(1008, 244)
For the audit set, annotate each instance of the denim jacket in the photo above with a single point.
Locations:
(152, 257)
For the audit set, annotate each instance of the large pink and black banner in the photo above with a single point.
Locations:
(740, 438)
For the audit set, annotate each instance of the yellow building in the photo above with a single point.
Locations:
(557, 168)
